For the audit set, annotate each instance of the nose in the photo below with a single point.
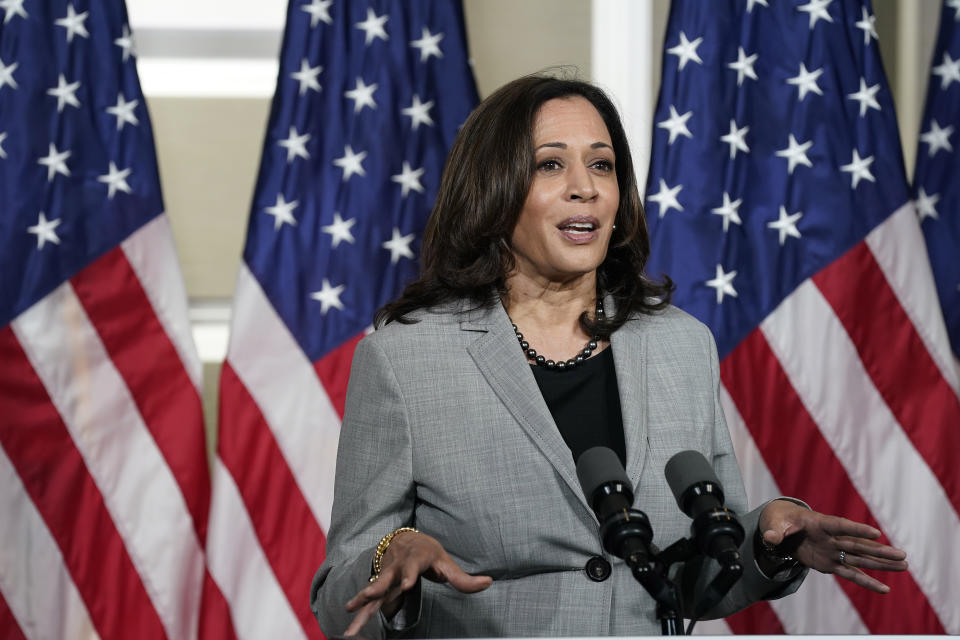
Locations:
(581, 186)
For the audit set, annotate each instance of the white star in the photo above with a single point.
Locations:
(948, 70)
(373, 26)
(859, 168)
(796, 153)
(676, 124)
(296, 145)
(867, 25)
(340, 230)
(55, 162)
(318, 10)
(723, 283)
(44, 230)
(6, 74)
(744, 66)
(125, 42)
(307, 76)
(419, 112)
(329, 297)
(3, 136)
(351, 163)
(736, 139)
(73, 23)
(667, 198)
(938, 138)
(12, 8)
(429, 44)
(729, 211)
(786, 224)
(362, 95)
(399, 246)
(926, 205)
(282, 212)
(123, 111)
(65, 93)
(409, 178)
(866, 96)
(955, 5)
(686, 50)
(750, 4)
(115, 181)
(806, 81)
(817, 10)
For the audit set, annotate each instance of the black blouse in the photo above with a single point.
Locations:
(585, 404)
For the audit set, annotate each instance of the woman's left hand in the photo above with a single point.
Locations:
(831, 544)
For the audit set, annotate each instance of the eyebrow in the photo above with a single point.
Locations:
(563, 145)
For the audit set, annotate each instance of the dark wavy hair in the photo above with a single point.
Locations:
(466, 252)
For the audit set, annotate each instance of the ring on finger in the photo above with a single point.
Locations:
(843, 557)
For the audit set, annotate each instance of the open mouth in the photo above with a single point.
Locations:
(579, 229)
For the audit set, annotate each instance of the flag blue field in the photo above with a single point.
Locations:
(778, 202)
(936, 185)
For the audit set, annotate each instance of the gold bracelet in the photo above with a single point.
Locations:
(377, 566)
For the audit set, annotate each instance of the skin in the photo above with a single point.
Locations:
(555, 280)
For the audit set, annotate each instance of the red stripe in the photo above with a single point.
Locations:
(9, 629)
(759, 618)
(140, 349)
(290, 536)
(333, 370)
(897, 361)
(215, 620)
(53, 473)
(803, 465)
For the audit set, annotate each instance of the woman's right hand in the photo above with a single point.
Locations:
(411, 554)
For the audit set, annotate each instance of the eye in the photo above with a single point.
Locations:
(604, 165)
(550, 164)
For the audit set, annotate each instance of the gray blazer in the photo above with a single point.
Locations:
(445, 429)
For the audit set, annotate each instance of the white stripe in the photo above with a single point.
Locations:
(911, 507)
(33, 578)
(285, 387)
(153, 257)
(712, 628)
(258, 606)
(820, 605)
(121, 455)
(901, 252)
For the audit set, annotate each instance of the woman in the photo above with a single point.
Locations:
(530, 336)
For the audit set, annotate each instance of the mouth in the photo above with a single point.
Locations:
(579, 229)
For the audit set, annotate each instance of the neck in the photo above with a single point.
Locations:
(543, 303)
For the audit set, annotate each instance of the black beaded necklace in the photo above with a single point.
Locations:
(540, 361)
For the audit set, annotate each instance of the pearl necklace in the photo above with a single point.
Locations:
(561, 365)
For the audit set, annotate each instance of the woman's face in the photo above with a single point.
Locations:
(566, 221)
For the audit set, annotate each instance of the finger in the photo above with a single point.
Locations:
(446, 570)
(836, 526)
(363, 616)
(874, 564)
(858, 577)
(863, 547)
(376, 590)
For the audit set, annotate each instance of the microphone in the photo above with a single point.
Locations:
(699, 494)
(625, 532)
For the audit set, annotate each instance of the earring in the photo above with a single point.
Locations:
(614, 227)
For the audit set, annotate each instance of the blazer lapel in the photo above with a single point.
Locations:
(501, 362)
(629, 356)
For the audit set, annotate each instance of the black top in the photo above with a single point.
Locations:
(585, 404)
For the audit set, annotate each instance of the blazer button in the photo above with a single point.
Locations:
(598, 569)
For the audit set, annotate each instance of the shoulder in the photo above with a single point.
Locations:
(670, 323)
(426, 327)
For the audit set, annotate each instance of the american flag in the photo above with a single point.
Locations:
(104, 483)
(778, 202)
(369, 98)
(936, 188)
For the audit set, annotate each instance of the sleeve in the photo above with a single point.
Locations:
(374, 493)
(754, 585)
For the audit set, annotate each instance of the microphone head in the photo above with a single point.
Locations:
(687, 469)
(598, 466)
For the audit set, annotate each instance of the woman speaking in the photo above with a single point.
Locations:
(532, 335)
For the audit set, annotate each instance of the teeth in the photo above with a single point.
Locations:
(579, 227)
